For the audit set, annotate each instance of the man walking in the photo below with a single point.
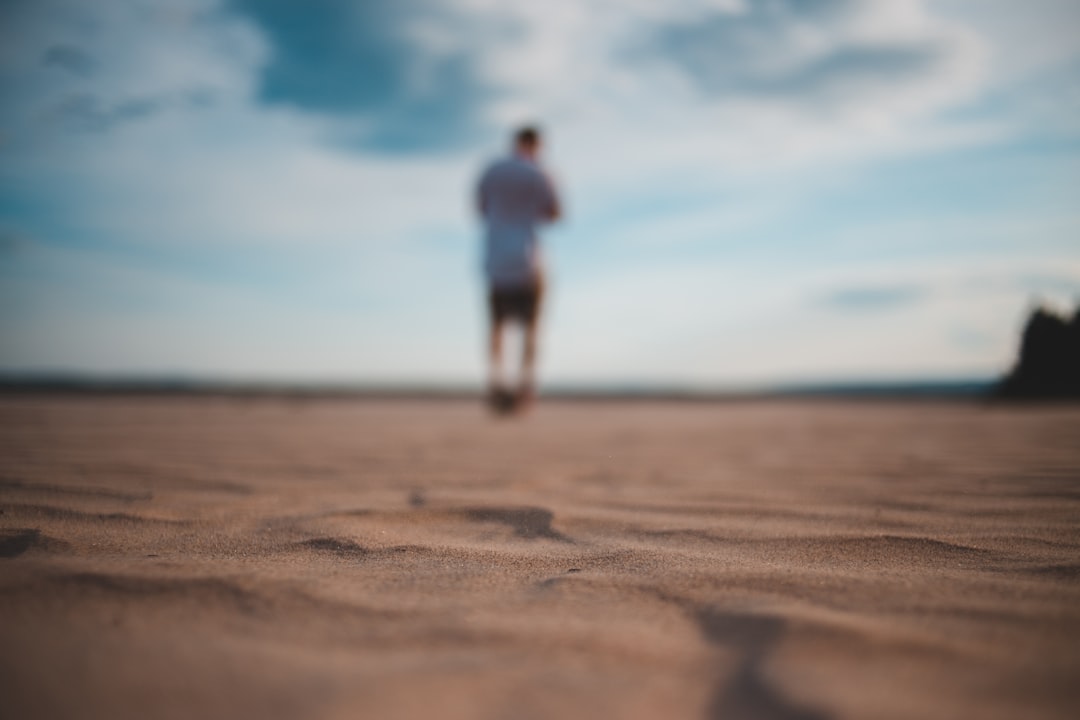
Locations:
(515, 196)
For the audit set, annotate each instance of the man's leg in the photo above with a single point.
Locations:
(528, 359)
(495, 345)
(530, 333)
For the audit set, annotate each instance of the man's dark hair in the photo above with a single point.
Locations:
(528, 135)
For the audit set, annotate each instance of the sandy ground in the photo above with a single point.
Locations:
(220, 558)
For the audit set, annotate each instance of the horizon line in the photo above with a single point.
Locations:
(972, 386)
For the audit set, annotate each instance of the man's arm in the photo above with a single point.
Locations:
(554, 212)
(481, 195)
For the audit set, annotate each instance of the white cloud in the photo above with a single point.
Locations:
(595, 65)
(1024, 38)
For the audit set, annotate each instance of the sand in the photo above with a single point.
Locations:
(224, 557)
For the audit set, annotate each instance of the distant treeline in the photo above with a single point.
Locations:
(1048, 366)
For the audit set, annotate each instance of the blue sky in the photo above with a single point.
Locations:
(757, 191)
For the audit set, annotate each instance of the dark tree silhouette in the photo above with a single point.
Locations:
(1049, 363)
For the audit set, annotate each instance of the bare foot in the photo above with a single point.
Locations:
(526, 397)
(501, 401)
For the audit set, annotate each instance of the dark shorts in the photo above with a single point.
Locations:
(516, 303)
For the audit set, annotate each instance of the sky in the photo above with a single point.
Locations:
(756, 192)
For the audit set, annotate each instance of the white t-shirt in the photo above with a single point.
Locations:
(515, 197)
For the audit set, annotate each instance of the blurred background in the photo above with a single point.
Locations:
(758, 192)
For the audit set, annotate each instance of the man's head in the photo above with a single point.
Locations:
(527, 142)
